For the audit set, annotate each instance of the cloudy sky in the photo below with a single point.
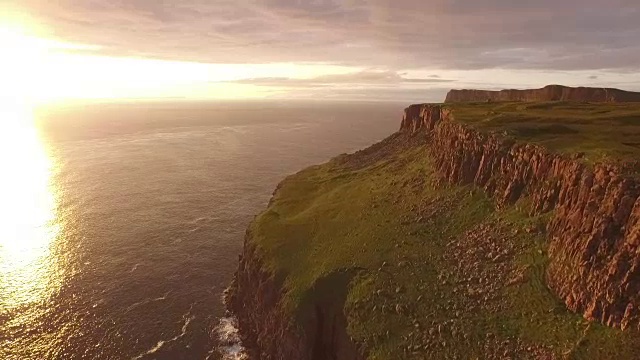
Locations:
(345, 49)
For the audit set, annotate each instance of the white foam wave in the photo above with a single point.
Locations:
(134, 268)
(144, 302)
(230, 344)
(187, 320)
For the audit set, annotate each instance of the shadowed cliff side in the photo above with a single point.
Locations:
(267, 332)
(548, 93)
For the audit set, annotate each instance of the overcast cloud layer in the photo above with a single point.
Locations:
(385, 35)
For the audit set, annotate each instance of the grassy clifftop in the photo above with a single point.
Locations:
(439, 271)
(599, 131)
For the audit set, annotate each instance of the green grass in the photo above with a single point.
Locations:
(602, 132)
(380, 215)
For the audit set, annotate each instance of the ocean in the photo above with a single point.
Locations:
(121, 224)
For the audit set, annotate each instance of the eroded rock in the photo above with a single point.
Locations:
(595, 232)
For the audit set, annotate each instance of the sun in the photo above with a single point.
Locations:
(36, 70)
(20, 54)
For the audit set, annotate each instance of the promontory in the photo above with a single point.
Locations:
(496, 225)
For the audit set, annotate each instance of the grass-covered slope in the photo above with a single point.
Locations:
(439, 271)
(600, 131)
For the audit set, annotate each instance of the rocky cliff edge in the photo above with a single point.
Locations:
(548, 93)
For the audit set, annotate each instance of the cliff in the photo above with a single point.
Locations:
(478, 230)
(548, 93)
(594, 234)
(255, 297)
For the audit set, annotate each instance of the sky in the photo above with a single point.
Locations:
(396, 50)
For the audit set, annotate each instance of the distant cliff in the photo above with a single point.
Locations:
(548, 93)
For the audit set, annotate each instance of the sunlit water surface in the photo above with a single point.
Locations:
(120, 225)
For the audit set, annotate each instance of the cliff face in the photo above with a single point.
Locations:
(267, 333)
(595, 230)
(548, 93)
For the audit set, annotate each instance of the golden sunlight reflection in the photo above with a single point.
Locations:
(27, 212)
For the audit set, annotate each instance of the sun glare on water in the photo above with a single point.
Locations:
(28, 227)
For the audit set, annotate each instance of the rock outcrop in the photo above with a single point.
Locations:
(548, 93)
(268, 333)
(594, 233)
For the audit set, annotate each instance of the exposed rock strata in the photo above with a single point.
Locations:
(595, 230)
(548, 93)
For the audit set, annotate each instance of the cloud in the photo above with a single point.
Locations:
(382, 78)
(400, 95)
(390, 34)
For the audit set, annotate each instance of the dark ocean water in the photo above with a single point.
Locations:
(121, 224)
